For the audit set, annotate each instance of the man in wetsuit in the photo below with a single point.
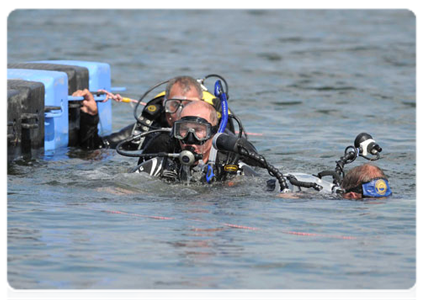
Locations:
(158, 113)
(365, 181)
(192, 135)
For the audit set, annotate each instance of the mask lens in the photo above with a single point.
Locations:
(201, 131)
(172, 105)
(183, 130)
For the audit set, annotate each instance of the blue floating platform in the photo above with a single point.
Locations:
(99, 78)
(56, 123)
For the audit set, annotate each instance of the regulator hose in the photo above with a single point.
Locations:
(138, 153)
(240, 126)
(139, 102)
(334, 175)
(273, 171)
(296, 182)
(226, 90)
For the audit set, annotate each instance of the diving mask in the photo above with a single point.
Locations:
(376, 188)
(193, 130)
(173, 105)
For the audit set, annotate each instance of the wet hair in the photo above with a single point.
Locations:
(204, 105)
(186, 83)
(361, 174)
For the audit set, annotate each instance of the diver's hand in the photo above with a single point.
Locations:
(117, 97)
(89, 105)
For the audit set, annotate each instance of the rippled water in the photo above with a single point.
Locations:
(309, 81)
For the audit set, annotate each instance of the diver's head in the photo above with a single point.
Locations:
(196, 128)
(180, 91)
(365, 181)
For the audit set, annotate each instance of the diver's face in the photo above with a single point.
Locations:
(205, 148)
(176, 92)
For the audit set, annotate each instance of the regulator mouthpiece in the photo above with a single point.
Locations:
(366, 144)
(188, 158)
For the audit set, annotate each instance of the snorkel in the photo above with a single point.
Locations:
(218, 92)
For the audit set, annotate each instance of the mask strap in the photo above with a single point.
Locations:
(360, 188)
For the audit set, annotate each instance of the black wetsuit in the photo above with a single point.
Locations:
(171, 170)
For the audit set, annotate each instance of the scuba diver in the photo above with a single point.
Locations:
(153, 116)
(192, 137)
(187, 146)
(364, 181)
(160, 112)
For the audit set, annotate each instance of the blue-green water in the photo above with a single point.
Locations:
(308, 80)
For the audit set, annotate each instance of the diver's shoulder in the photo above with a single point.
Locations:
(152, 166)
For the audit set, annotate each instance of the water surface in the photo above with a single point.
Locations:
(308, 80)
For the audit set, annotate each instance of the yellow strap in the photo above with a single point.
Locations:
(160, 95)
(207, 97)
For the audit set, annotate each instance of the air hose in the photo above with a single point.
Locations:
(138, 153)
(140, 101)
(296, 182)
(273, 171)
(334, 175)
